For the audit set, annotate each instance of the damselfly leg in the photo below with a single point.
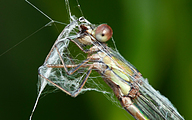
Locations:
(74, 68)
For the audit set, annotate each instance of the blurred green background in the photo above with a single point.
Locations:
(155, 36)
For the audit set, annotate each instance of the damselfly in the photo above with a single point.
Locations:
(132, 90)
(61, 70)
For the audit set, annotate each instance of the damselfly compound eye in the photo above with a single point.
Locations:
(103, 33)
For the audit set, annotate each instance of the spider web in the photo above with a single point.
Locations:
(63, 48)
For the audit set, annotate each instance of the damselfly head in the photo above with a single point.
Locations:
(90, 34)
